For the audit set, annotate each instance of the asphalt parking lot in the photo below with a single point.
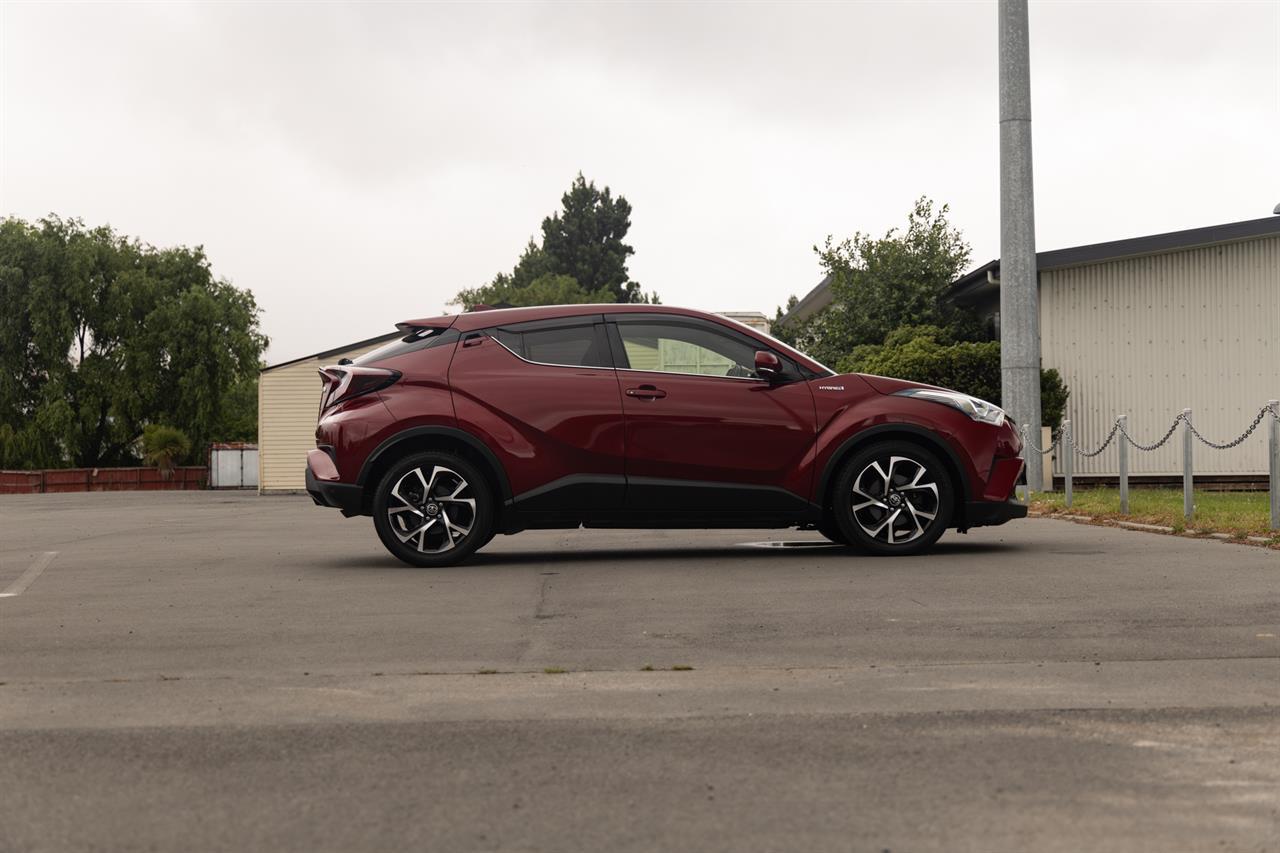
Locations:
(223, 671)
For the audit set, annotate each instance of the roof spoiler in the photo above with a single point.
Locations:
(409, 326)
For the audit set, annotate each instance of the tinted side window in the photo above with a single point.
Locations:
(680, 348)
(571, 346)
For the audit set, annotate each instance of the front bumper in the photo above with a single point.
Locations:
(324, 489)
(991, 513)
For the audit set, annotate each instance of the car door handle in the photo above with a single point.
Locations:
(646, 392)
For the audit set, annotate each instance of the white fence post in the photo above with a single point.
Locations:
(1188, 504)
(1067, 460)
(1123, 420)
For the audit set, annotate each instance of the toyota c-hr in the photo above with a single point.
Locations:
(644, 416)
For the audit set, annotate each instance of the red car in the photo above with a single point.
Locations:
(644, 416)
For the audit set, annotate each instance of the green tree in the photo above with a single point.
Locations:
(547, 289)
(104, 335)
(583, 243)
(880, 284)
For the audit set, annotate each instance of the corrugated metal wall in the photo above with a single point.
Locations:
(1150, 336)
(288, 403)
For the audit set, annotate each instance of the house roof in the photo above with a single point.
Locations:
(812, 302)
(368, 342)
(977, 281)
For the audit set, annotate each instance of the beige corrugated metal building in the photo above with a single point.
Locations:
(1149, 326)
(288, 402)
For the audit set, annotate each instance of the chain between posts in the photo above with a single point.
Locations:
(1117, 427)
(1065, 435)
(1262, 413)
(1028, 443)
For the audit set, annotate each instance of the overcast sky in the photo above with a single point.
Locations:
(357, 165)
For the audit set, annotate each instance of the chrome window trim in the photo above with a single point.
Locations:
(691, 375)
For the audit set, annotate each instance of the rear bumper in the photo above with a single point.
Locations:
(990, 513)
(324, 489)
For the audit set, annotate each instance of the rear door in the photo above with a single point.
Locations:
(704, 433)
(545, 397)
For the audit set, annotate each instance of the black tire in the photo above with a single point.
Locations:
(828, 528)
(401, 505)
(899, 485)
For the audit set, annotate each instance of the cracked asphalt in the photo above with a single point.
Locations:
(222, 671)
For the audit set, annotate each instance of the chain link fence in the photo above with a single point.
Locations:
(1066, 440)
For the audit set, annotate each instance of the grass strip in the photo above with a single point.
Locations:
(1236, 514)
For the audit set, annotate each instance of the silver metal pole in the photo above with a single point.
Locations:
(1188, 504)
(1019, 293)
(1124, 465)
(1067, 444)
(1273, 444)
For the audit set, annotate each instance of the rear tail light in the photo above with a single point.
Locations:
(349, 380)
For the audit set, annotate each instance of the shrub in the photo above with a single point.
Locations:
(927, 354)
(163, 446)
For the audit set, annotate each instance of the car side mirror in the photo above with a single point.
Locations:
(768, 365)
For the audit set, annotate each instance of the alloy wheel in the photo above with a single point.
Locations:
(895, 500)
(432, 512)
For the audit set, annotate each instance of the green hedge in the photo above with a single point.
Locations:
(927, 354)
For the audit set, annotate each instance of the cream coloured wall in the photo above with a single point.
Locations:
(1149, 336)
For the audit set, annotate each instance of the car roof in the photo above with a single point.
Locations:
(488, 318)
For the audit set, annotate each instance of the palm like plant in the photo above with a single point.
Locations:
(163, 446)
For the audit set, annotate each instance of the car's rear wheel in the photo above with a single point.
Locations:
(893, 498)
(433, 509)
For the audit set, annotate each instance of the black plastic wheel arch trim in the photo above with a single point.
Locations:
(504, 486)
(931, 439)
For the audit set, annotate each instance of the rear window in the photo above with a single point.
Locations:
(415, 340)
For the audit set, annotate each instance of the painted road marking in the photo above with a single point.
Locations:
(26, 578)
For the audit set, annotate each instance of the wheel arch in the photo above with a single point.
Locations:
(441, 438)
(918, 435)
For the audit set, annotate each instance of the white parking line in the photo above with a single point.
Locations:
(26, 578)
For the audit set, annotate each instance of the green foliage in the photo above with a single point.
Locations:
(238, 419)
(102, 335)
(547, 289)
(582, 257)
(881, 284)
(163, 446)
(930, 355)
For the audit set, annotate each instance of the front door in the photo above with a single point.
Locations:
(704, 434)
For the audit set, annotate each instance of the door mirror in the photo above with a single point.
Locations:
(768, 365)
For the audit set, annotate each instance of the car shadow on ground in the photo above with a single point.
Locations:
(756, 552)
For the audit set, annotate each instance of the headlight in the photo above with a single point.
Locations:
(979, 410)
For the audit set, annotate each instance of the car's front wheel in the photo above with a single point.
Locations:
(433, 509)
(893, 498)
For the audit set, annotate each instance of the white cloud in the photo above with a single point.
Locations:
(356, 165)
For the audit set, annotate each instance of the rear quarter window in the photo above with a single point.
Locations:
(566, 346)
(413, 341)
